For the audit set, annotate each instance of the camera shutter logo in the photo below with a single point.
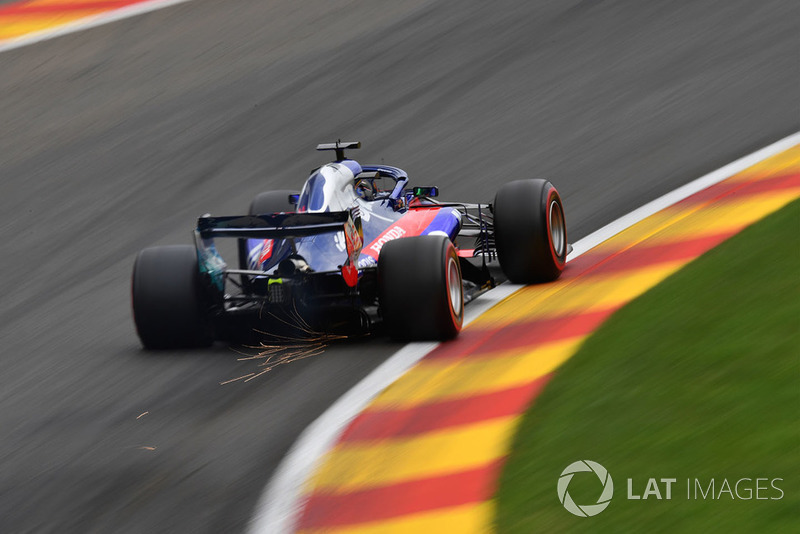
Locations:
(585, 510)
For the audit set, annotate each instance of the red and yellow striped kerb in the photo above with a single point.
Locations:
(425, 455)
(19, 19)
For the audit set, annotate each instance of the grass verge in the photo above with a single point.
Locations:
(695, 380)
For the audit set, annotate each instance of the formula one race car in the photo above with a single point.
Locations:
(355, 249)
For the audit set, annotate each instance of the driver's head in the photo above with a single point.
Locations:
(365, 189)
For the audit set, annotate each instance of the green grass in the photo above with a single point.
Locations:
(696, 379)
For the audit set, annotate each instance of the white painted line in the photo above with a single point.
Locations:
(278, 508)
(280, 503)
(673, 197)
(86, 23)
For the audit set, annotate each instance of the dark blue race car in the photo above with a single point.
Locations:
(355, 249)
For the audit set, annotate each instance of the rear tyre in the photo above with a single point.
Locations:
(530, 231)
(263, 204)
(168, 307)
(420, 288)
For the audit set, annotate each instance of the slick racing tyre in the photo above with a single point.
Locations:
(420, 288)
(168, 307)
(265, 203)
(530, 231)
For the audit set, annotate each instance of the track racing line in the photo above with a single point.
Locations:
(418, 444)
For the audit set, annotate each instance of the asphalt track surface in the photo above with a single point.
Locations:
(117, 138)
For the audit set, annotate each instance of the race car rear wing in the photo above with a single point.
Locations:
(277, 226)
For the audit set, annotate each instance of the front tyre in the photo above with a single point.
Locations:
(530, 231)
(420, 288)
(168, 307)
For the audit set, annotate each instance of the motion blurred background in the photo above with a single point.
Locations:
(118, 137)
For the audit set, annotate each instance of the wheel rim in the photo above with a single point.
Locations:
(454, 288)
(558, 232)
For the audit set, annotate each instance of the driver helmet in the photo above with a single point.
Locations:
(366, 189)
